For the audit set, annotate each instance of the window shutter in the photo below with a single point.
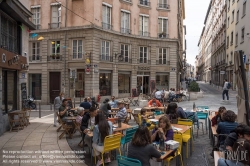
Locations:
(108, 15)
(54, 15)
(122, 20)
(164, 25)
(104, 14)
(59, 14)
(127, 21)
(38, 16)
(145, 24)
(79, 48)
(159, 25)
(140, 24)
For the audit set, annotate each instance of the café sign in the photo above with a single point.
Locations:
(143, 68)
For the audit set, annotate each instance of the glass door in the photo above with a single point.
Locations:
(139, 85)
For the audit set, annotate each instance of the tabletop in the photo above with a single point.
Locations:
(153, 108)
(167, 153)
(181, 128)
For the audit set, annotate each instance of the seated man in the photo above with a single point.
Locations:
(85, 104)
(63, 110)
(154, 103)
(113, 102)
(144, 120)
(158, 95)
(122, 112)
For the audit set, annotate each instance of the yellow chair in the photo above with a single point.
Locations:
(151, 127)
(178, 138)
(188, 134)
(111, 142)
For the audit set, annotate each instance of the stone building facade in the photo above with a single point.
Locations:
(121, 48)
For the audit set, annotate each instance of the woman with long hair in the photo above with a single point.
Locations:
(163, 130)
(218, 118)
(172, 112)
(102, 129)
(141, 148)
(57, 104)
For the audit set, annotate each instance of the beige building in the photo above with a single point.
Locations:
(116, 47)
(219, 62)
(200, 74)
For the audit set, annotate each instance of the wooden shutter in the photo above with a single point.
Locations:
(122, 21)
(145, 24)
(54, 15)
(104, 15)
(140, 24)
(159, 25)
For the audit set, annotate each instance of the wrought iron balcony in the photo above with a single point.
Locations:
(35, 58)
(106, 58)
(54, 25)
(125, 30)
(162, 62)
(145, 61)
(54, 57)
(163, 6)
(38, 26)
(144, 2)
(144, 33)
(106, 25)
(124, 60)
(162, 35)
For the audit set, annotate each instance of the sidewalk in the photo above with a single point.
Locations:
(38, 143)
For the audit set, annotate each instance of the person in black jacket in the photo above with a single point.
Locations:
(88, 122)
(105, 107)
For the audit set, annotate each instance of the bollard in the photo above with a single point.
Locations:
(39, 110)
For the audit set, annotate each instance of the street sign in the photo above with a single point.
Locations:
(222, 72)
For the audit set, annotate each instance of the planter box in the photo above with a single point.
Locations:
(193, 95)
(199, 94)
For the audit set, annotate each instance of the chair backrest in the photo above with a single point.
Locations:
(112, 142)
(59, 118)
(202, 114)
(129, 135)
(136, 118)
(203, 107)
(178, 138)
(125, 161)
(126, 120)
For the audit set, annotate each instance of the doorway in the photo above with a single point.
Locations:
(143, 84)
(54, 85)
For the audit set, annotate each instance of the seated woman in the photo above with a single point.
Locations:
(172, 112)
(239, 156)
(102, 129)
(145, 121)
(217, 119)
(225, 127)
(141, 148)
(163, 129)
(80, 113)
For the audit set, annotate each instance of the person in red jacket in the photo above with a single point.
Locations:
(218, 118)
(154, 103)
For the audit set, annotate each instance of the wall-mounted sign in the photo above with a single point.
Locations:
(87, 70)
(143, 68)
(13, 60)
(96, 69)
(222, 72)
(23, 75)
(3, 58)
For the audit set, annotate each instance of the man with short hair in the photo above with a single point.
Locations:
(63, 110)
(122, 112)
(85, 104)
(154, 103)
(113, 102)
(225, 90)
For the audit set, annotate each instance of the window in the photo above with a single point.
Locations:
(105, 84)
(236, 39)
(125, 52)
(77, 49)
(35, 51)
(162, 27)
(242, 34)
(228, 20)
(36, 16)
(227, 41)
(143, 54)
(144, 2)
(237, 16)
(123, 83)
(143, 30)
(244, 9)
(56, 16)
(55, 48)
(106, 17)
(105, 51)
(232, 16)
(163, 4)
(8, 34)
(125, 22)
(232, 38)
(35, 86)
(162, 81)
(163, 57)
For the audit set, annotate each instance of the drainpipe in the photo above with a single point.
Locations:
(65, 38)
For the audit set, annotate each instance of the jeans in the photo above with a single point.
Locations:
(55, 117)
(223, 162)
(223, 94)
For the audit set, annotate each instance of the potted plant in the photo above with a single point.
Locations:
(193, 90)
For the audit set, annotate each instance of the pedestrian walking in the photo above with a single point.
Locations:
(226, 88)
(57, 104)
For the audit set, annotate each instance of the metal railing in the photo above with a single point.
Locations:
(143, 33)
(162, 35)
(106, 25)
(162, 62)
(38, 26)
(54, 25)
(144, 61)
(125, 30)
(35, 58)
(106, 58)
(163, 5)
(124, 60)
(57, 57)
(144, 2)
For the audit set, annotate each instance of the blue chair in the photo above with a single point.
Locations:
(125, 161)
(203, 115)
(203, 107)
(157, 113)
(128, 137)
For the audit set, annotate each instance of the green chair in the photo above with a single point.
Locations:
(125, 161)
(127, 138)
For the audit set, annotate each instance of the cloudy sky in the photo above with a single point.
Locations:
(195, 15)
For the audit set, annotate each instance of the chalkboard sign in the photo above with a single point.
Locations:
(152, 85)
(24, 91)
(134, 94)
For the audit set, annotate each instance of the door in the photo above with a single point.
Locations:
(145, 84)
(139, 84)
(54, 85)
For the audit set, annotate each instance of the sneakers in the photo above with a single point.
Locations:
(107, 160)
(99, 162)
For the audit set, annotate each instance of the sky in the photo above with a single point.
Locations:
(195, 15)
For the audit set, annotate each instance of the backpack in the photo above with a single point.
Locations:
(228, 85)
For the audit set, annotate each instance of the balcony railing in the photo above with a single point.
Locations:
(144, 2)
(127, 0)
(144, 61)
(162, 62)
(125, 30)
(106, 58)
(35, 58)
(143, 33)
(54, 25)
(106, 25)
(56, 57)
(163, 6)
(124, 60)
(162, 35)
(38, 26)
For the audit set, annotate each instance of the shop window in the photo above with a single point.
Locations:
(162, 81)
(124, 83)
(105, 84)
(35, 86)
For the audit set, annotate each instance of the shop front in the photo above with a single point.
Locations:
(105, 81)
(124, 83)
(162, 81)
(143, 84)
